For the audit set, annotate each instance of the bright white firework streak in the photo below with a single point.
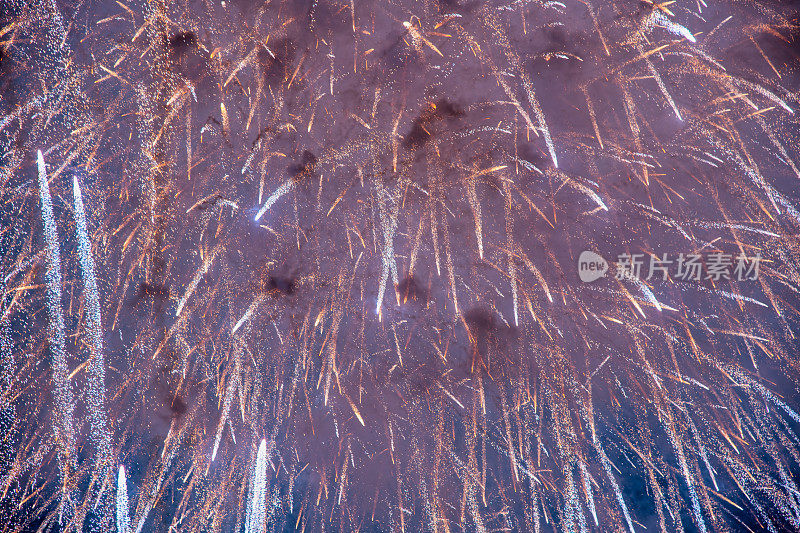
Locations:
(614, 485)
(648, 293)
(122, 502)
(513, 58)
(389, 226)
(698, 515)
(661, 85)
(195, 281)
(587, 486)
(63, 391)
(763, 91)
(661, 20)
(387, 258)
(246, 315)
(586, 190)
(701, 449)
(233, 384)
(512, 266)
(475, 205)
(7, 409)
(96, 397)
(226, 407)
(280, 191)
(256, 506)
(573, 514)
(537, 110)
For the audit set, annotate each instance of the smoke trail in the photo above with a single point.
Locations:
(122, 502)
(63, 391)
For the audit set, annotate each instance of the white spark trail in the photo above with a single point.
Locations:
(195, 281)
(614, 485)
(246, 315)
(96, 397)
(256, 506)
(63, 392)
(287, 186)
(659, 19)
(388, 217)
(587, 487)
(586, 190)
(763, 91)
(698, 514)
(226, 405)
(662, 86)
(648, 294)
(123, 521)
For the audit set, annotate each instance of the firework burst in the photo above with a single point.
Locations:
(399, 266)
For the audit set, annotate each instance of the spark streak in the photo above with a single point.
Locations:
(256, 506)
(461, 159)
(96, 394)
(122, 502)
(63, 409)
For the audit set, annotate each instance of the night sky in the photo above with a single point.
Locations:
(314, 266)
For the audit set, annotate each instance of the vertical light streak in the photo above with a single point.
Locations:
(123, 520)
(256, 505)
(96, 395)
(698, 515)
(388, 220)
(226, 408)
(610, 475)
(63, 411)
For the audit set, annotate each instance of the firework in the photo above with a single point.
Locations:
(122, 501)
(399, 266)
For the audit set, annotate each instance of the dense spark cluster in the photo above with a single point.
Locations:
(312, 265)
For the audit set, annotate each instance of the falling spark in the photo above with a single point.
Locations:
(287, 186)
